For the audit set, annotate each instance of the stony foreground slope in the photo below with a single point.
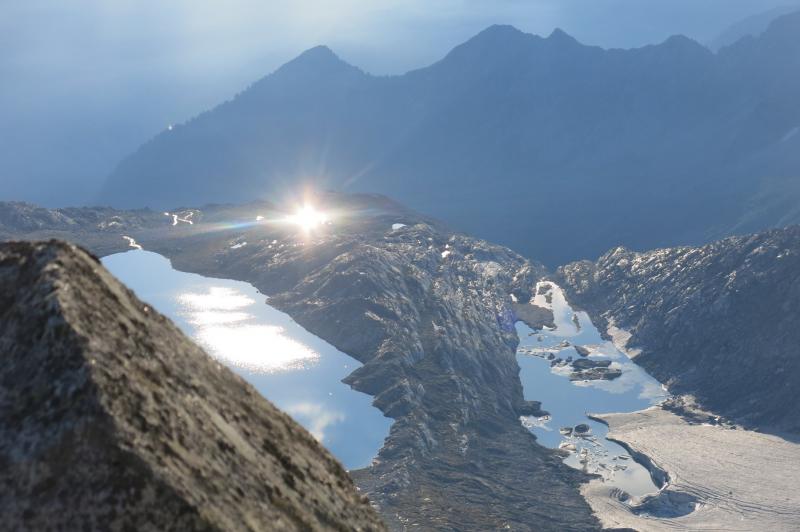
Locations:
(720, 322)
(110, 418)
(430, 315)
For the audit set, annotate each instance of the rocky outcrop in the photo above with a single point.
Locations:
(534, 316)
(429, 313)
(584, 369)
(719, 322)
(110, 418)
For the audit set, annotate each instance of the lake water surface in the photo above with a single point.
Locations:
(299, 372)
(569, 402)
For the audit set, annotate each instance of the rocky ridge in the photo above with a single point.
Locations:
(430, 314)
(110, 418)
(717, 322)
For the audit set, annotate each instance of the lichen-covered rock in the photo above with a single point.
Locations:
(111, 419)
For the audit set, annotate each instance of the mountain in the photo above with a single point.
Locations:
(556, 149)
(752, 26)
(111, 419)
(717, 322)
(429, 314)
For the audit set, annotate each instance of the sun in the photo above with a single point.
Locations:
(308, 218)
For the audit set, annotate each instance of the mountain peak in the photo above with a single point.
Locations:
(317, 57)
(503, 35)
(497, 33)
(319, 60)
(501, 29)
(559, 35)
(319, 53)
(682, 42)
(493, 42)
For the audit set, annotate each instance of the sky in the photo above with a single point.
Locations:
(84, 82)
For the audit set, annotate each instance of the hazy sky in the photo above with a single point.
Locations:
(83, 82)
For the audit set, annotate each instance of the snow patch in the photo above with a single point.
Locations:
(177, 219)
(131, 242)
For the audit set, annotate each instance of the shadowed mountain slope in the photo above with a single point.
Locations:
(556, 149)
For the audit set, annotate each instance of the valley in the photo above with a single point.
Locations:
(398, 266)
(428, 314)
(464, 384)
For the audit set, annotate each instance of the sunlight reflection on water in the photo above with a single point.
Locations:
(299, 372)
(236, 338)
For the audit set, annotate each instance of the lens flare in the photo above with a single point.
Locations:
(308, 218)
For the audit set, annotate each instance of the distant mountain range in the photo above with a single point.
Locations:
(751, 26)
(554, 148)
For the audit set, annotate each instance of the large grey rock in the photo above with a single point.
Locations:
(111, 419)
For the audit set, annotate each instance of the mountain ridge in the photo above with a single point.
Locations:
(717, 322)
(512, 125)
(428, 313)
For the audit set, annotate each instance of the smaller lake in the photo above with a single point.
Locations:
(299, 372)
(569, 402)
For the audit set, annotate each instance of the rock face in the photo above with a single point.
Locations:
(110, 418)
(719, 322)
(430, 315)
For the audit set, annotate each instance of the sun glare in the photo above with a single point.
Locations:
(308, 218)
